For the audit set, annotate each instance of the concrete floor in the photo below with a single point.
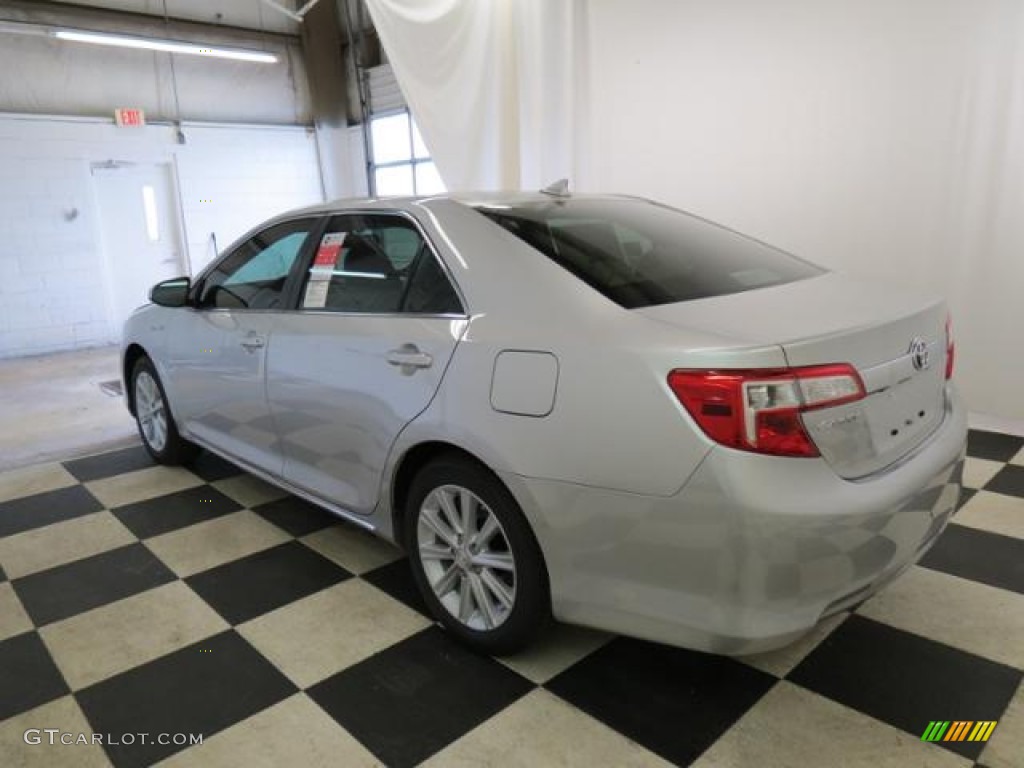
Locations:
(52, 407)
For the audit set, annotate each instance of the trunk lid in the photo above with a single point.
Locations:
(895, 340)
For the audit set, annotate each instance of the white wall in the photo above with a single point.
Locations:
(884, 139)
(53, 275)
(248, 174)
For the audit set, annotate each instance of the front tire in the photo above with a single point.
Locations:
(154, 419)
(474, 558)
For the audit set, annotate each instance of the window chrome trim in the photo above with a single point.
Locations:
(399, 315)
(332, 312)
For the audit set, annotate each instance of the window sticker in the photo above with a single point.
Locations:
(330, 247)
(324, 264)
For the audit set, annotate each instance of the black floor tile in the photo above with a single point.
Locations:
(966, 494)
(246, 588)
(418, 696)
(396, 579)
(29, 676)
(176, 510)
(994, 446)
(1008, 480)
(296, 516)
(109, 464)
(70, 589)
(200, 689)
(906, 680)
(42, 509)
(979, 556)
(211, 467)
(674, 702)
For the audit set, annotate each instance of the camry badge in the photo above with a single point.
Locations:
(919, 354)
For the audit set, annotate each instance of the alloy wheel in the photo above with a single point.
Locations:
(466, 557)
(150, 411)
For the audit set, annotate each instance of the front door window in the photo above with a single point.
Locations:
(253, 276)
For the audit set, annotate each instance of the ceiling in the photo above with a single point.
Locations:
(249, 14)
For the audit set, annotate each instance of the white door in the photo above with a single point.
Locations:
(139, 225)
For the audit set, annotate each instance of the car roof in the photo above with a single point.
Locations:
(473, 198)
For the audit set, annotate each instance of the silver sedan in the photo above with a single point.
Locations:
(592, 408)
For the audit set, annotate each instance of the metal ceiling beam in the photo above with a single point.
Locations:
(58, 14)
(297, 15)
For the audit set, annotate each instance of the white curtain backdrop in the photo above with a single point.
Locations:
(883, 139)
(492, 83)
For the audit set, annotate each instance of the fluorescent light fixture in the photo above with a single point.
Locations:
(168, 46)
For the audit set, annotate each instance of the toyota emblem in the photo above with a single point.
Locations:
(919, 354)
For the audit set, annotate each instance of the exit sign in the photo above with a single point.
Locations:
(132, 118)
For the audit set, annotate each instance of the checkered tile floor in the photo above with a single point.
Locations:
(138, 599)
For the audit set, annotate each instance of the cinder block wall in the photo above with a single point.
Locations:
(54, 275)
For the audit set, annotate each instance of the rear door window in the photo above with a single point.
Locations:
(377, 264)
(639, 254)
(431, 292)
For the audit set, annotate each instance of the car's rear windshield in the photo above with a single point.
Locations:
(640, 254)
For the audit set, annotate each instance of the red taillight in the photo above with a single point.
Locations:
(950, 347)
(759, 410)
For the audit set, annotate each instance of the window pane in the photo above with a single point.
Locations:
(400, 242)
(419, 148)
(428, 180)
(270, 263)
(391, 138)
(362, 264)
(394, 180)
(253, 275)
(430, 292)
(640, 254)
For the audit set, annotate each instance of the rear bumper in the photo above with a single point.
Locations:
(751, 553)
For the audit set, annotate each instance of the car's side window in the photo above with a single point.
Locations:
(253, 276)
(374, 263)
(430, 292)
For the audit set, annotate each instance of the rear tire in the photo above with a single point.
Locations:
(474, 557)
(154, 418)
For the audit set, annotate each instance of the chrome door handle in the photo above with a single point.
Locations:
(408, 356)
(252, 343)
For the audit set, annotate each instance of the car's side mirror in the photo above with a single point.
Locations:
(171, 293)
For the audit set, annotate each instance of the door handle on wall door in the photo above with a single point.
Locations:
(409, 357)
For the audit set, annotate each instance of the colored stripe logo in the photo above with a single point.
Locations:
(959, 730)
